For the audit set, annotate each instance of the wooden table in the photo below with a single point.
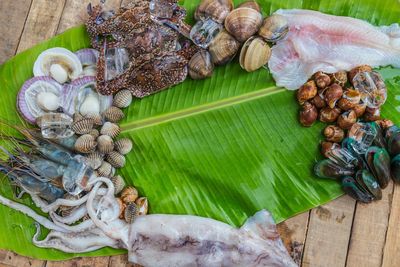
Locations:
(341, 233)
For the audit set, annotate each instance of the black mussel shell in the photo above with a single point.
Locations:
(394, 143)
(395, 168)
(328, 169)
(379, 140)
(367, 181)
(378, 161)
(350, 186)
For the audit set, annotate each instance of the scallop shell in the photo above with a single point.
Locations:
(201, 66)
(143, 205)
(122, 99)
(83, 126)
(113, 114)
(105, 144)
(116, 159)
(95, 160)
(223, 48)
(255, 54)
(119, 184)
(129, 194)
(217, 10)
(131, 212)
(123, 145)
(95, 133)
(110, 129)
(243, 23)
(85, 144)
(104, 170)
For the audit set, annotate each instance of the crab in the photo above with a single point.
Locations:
(153, 61)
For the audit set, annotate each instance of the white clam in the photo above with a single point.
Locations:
(48, 101)
(59, 63)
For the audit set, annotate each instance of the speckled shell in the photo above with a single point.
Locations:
(200, 65)
(131, 212)
(143, 205)
(129, 194)
(243, 23)
(251, 4)
(105, 144)
(116, 159)
(119, 183)
(123, 145)
(83, 126)
(113, 114)
(217, 10)
(122, 99)
(104, 170)
(95, 133)
(223, 48)
(85, 144)
(95, 160)
(255, 54)
(110, 129)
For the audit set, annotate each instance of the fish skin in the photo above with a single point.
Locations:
(183, 240)
(321, 42)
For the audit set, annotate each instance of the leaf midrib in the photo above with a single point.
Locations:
(193, 111)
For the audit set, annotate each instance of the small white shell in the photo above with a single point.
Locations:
(48, 101)
(122, 99)
(113, 114)
(119, 183)
(104, 170)
(116, 159)
(83, 126)
(110, 129)
(105, 144)
(123, 145)
(85, 144)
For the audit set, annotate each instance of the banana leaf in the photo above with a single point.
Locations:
(224, 147)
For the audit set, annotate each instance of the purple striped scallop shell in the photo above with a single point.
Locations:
(88, 56)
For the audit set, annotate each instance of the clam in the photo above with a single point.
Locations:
(113, 114)
(274, 28)
(95, 160)
(119, 184)
(59, 63)
(131, 212)
(378, 161)
(350, 186)
(95, 133)
(116, 159)
(96, 118)
(217, 10)
(122, 99)
(395, 168)
(255, 54)
(123, 145)
(85, 144)
(110, 129)
(328, 169)
(129, 194)
(105, 144)
(366, 181)
(201, 66)
(251, 4)
(83, 126)
(104, 170)
(223, 48)
(243, 23)
(143, 205)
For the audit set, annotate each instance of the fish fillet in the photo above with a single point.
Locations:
(321, 42)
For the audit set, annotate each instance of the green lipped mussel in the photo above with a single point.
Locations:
(367, 181)
(330, 170)
(350, 186)
(395, 168)
(393, 143)
(378, 161)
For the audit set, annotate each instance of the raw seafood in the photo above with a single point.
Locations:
(321, 42)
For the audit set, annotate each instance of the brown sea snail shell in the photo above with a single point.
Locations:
(385, 123)
(201, 66)
(349, 99)
(306, 92)
(372, 114)
(327, 147)
(255, 54)
(223, 48)
(339, 77)
(328, 114)
(332, 94)
(308, 114)
(251, 4)
(347, 119)
(318, 102)
(334, 134)
(129, 194)
(242, 23)
(274, 28)
(360, 109)
(356, 70)
(217, 10)
(322, 80)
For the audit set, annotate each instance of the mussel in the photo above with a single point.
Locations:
(243, 23)
(223, 48)
(328, 169)
(201, 66)
(274, 28)
(378, 161)
(393, 143)
(255, 54)
(395, 168)
(367, 181)
(350, 186)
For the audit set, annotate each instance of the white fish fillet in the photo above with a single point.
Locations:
(321, 42)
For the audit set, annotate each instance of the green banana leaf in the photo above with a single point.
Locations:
(224, 147)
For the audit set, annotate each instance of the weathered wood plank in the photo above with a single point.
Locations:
(329, 233)
(81, 262)
(121, 260)
(293, 232)
(42, 22)
(368, 235)
(8, 258)
(391, 253)
(13, 14)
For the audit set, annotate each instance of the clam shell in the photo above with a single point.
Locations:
(255, 54)
(131, 212)
(113, 114)
(119, 184)
(105, 144)
(223, 48)
(116, 159)
(77, 117)
(95, 160)
(200, 65)
(143, 205)
(217, 10)
(122, 99)
(123, 145)
(85, 144)
(129, 194)
(110, 129)
(96, 118)
(104, 170)
(83, 126)
(243, 23)
(251, 4)
(274, 28)
(95, 133)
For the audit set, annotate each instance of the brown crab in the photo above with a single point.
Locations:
(153, 62)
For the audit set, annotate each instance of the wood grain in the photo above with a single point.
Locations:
(329, 233)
